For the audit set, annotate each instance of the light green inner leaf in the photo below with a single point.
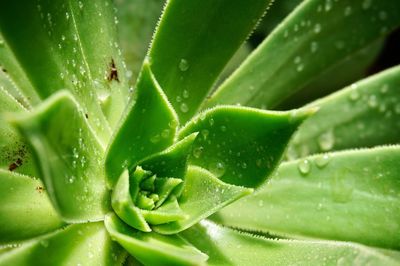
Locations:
(153, 248)
(239, 145)
(148, 127)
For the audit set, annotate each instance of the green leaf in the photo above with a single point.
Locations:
(240, 145)
(68, 157)
(17, 83)
(152, 248)
(229, 247)
(54, 44)
(369, 116)
(79, 244)
(203, 194)
(136, 22)
(148, 127)
(25, 210)
(193, 43)
(14, 154)
(303, 47)
(350, 196)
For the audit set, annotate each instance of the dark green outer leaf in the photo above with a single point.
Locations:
(303, 47)
(349, 196)
(228, 247)
(25, 210)
(193, 43)
(365, 114)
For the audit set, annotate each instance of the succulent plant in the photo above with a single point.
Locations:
(172, 159)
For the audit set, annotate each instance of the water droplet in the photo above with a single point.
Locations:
(347, 11)
(223, 128)
(319, 206)
(67, 15)
(384, 88)
(218, 168)
(165, 133)
(317, 28)
(211, 121)
(71, 179)
(178, 99)
(372, 101)
(185, 94)
(155, 138)
(297, 60)
(326, 140)
(366, 4)
(44, 243)
(205, 133)
(382, 15)
(80, 5)
(184, 108)
(328, 5)
(322, 160)
(313, 47)
(183, 65)
(197, 152)
(304, 166)
(354, 95)
(300, 68)
(244, 165)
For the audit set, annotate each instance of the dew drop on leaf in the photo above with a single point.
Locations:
(347, 11)
(326, 140)
(197, 152)
(322, 160)
(317, 28)
(304, 166)
(217, 168)
(185, 94)
(184, 108)
(183, 65)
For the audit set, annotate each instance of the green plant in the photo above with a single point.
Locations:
(115, 175)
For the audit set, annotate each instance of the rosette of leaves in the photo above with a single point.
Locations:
(174, 170)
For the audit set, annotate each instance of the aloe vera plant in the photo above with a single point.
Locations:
(162, 161)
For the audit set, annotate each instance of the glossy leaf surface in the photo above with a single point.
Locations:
(148, 127)
(68, 156)
(228, 247)
(365, 114)
(349, 196)
(192, 44)
(152, 248)
(303, 47)
(239, 145)
(25, 210)
(85, 244)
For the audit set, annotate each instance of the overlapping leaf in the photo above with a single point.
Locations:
(303, 47)
(68, 157)
(350, 196)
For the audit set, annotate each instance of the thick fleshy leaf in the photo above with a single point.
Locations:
(53, 42)
(149, 127)
(240, 145)
(152, 248)
(203, 194)
(25, 210)
(68, 157)
(351, 196)
(11, 72)
(14, 155)
(229, 247)
(304, 47)
(136, 22)
(79, 244)
(193, 43)
(364, 114)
